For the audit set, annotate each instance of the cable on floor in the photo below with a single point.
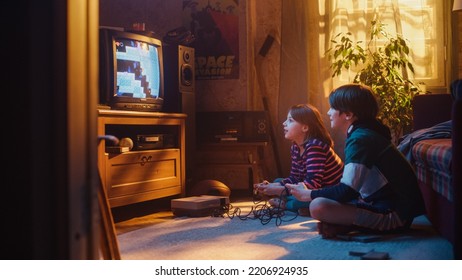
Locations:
(261, 210)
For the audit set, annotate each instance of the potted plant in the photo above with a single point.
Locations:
(384, 67)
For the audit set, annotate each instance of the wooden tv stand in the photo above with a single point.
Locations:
(147, 171)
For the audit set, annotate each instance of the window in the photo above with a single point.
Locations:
(419, 21)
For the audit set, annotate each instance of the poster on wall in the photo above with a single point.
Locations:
(215, 26)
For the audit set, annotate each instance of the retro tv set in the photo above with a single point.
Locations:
(131, 71)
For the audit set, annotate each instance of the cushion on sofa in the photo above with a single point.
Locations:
(430, 109)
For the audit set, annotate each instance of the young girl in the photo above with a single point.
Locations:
(378, 190)
(314, 162)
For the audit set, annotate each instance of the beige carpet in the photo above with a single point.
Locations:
(162, 236)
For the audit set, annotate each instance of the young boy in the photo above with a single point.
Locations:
(378, 190)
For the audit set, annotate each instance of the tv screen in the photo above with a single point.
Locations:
(131, 71)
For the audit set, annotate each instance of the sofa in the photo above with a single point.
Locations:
(434, 148)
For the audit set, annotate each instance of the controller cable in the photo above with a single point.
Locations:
(261, 210)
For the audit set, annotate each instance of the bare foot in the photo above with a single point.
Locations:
(277, 203)
(329, 231)
(304, 212)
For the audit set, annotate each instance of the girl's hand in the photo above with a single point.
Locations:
(257, 187)
(266, 188)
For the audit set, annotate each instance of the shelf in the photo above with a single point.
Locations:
(142, 174)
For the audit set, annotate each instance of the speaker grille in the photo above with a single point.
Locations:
(186, 66)
(179, 78)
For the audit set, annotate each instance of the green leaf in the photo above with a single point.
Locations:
(379, 66)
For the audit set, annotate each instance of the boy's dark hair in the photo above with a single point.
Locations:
(355, 98)
(308, 114)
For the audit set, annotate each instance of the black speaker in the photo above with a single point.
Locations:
(179, 78)
(179, 94)
(239, 126)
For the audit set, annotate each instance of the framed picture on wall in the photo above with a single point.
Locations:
(216, 30)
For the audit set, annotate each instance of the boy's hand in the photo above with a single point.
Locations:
(300, 191)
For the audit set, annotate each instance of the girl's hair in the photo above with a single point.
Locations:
(355, 98)
(309, 115)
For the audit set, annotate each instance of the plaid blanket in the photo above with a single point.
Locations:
(441, 130)
(432, 160)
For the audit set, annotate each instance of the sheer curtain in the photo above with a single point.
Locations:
(418, 21)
